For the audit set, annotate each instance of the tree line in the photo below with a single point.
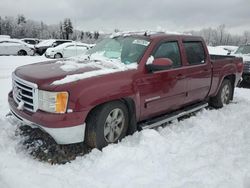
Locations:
(220, 36)
(21, 27)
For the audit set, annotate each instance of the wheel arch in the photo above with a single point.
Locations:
(232, 79)
(130, 104)
(22, 50)
(59, 54)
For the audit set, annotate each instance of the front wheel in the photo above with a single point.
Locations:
(223, 96)
(22, 53)
(58, 56)
(107, 124)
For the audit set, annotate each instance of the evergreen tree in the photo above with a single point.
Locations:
(68, 28)
(21, 19)
(61, 30)
(82, 35)
(96, 35)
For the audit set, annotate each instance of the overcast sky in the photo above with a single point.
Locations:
(106, 15)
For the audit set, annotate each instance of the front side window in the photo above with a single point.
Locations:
(195, 52)
(169, 50)
(126, 49)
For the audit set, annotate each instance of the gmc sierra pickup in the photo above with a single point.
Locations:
(125, 83)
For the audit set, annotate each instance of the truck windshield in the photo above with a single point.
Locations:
(126, 49)
(243, 50)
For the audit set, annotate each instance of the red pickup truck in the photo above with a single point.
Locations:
(125, 83)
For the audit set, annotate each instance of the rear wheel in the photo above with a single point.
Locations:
(22, 53)
(58, 56)
(224, 95)
(107, 124)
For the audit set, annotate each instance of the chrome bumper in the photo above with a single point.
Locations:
(67, 135)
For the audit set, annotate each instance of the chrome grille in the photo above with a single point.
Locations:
(26, 92)
(246, 68)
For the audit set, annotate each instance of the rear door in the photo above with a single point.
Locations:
(80, 49)
(69, 51)
(12, 48)
(165, 90)
(198, 71)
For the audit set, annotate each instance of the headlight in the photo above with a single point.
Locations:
(55, 102)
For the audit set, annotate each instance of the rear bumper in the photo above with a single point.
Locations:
(246, 76)
(66, 128)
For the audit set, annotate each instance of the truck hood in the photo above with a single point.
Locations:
(70, 70)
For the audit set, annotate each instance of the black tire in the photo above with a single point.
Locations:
(22, 53)
(58, 56)
(223, 96)
(99, 121)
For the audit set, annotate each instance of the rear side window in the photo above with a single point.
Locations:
(169, 50)
(195, 52)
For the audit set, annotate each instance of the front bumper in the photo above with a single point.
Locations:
(66, 128)
(49, 55)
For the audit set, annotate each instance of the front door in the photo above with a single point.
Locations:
(163, 91)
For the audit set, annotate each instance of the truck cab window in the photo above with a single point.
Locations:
(169, 50)
(195, 52)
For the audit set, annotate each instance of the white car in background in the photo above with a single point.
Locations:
(15, 47)
(68, 49)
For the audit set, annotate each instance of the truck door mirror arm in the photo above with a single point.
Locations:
(160, 64)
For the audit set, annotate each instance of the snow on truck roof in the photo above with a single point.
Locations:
(146, 33)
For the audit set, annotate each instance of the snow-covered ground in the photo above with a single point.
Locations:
(209, 150)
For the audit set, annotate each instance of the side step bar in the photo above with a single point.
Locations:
(172, 116)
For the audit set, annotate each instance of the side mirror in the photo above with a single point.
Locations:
(160, 64)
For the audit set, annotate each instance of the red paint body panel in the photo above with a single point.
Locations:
(153, 93)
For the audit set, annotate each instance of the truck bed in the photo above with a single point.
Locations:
(217, 57)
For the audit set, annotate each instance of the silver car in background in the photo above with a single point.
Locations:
(15, 47)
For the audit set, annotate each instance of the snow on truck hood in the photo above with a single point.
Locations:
(97, 64)
(70, 70)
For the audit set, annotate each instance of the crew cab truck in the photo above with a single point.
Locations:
(125, 83)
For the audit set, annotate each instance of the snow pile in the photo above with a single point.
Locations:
(48, 42)
(142, 32)
(103, 65)
(211, 149)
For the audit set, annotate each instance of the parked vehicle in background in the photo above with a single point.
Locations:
(15, 47)
(68, 49)
(215, 50)
(229, 49)
(244, 52)
(45, 44)
(31, 41)
(124, 83)
(222, 50)
(4, 36)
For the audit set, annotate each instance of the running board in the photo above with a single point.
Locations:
(172, 116)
